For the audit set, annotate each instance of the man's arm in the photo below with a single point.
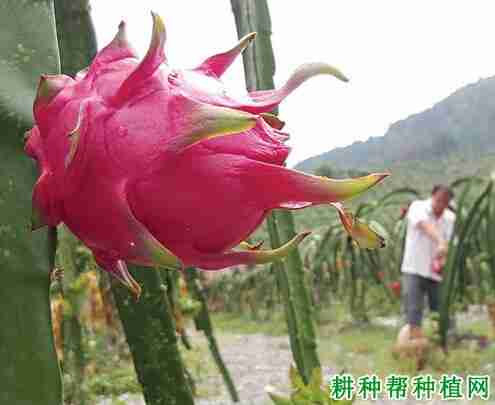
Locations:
(432, 232)
(418, 217)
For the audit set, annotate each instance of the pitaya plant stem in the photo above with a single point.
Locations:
(77, 46)
(203, 323)
(490, 238)
(150, 331)
(172, 278)
(259, 65)
(258, 59)
(29, 372)
(375, 265)
(352, 279)
(465, 225)
(299, 299)
(73, 362)
(289, 308)
(113, 327)
(319, 258)
(76, 35)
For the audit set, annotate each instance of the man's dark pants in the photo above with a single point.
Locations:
(415, 289)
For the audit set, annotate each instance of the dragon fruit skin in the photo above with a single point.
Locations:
(135, 159)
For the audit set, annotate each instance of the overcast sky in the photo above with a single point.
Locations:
(401, 56)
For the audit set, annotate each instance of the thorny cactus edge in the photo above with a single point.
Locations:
(161, 167)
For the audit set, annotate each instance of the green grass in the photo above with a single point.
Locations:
(480, 327)
(112, 382)
(244, 324)
(201, 366)
(362, 349)
(367, 349)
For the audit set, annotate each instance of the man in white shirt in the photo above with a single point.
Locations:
(430, 225)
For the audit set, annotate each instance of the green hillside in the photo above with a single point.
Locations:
(455, 137)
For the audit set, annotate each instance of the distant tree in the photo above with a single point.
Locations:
(356, 173)
(326, 170)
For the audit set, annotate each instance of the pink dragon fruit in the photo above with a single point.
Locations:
(135, 159)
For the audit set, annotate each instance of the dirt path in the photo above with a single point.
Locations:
(255, 362)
